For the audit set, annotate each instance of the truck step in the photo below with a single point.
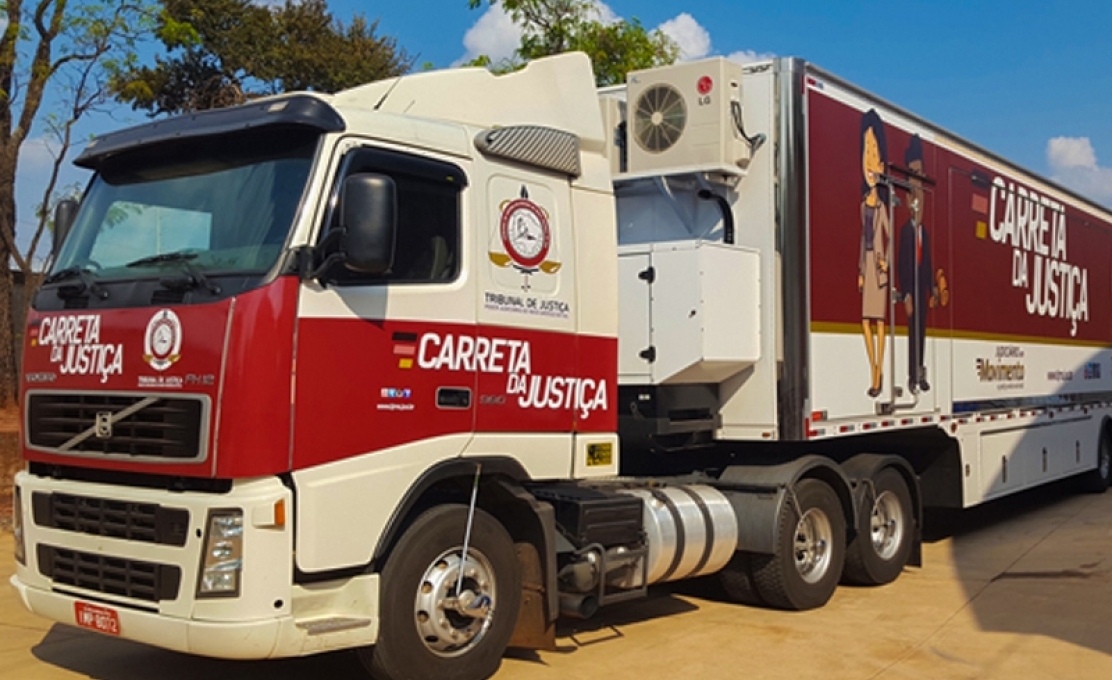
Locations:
(332, 625)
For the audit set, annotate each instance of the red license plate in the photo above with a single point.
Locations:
(102, 619)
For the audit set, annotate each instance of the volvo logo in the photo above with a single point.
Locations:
(104, 425)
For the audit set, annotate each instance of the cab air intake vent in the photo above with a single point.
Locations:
(533, 145)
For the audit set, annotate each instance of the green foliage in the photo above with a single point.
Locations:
(555, 26)
(223, 52)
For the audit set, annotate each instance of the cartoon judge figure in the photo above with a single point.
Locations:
(917, 285)
(872, 267)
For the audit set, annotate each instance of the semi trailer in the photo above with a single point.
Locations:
(421, 366)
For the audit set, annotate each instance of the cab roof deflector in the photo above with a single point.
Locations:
(302, 110)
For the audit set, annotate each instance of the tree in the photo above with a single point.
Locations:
(70, 47)
(555, 26)
(224, 52)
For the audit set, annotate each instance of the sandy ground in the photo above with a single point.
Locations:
(1017, 590)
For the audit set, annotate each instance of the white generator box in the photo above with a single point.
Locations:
(689, 312)
(686, 118)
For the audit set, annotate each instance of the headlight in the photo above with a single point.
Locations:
(17, 528)
(222, 561)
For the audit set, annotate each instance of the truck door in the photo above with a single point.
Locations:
(532, 391)
(388, 361)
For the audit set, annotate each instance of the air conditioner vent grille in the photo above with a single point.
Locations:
(659, 118)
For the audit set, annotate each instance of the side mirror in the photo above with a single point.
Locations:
(64, 214)
(368, 214)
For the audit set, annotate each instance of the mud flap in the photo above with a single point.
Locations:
(535, 628)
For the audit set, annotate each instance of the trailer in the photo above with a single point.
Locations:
(419, 367)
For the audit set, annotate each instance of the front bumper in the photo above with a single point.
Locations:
(226, 640)
(270, 616)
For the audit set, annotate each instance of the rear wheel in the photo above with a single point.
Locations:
(737, 579)
(442, 618)
(882, 545)
(810, 551)
(1097, 480)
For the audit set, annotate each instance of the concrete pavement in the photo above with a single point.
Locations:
(1020, 590)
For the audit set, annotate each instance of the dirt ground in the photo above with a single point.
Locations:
(1019, 589)
(10, 462)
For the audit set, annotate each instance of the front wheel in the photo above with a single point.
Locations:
(442, 618)
(883, 542)
(805, 569)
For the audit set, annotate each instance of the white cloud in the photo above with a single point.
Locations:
(36, 154)
(749, 56)
(605, 14)
(496, 36)
(1073, 162)
(493, 35)
(1071, 152)
(692, 38)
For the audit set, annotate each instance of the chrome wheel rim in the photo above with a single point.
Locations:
(813, 538)
(887, 525)
(443, 629)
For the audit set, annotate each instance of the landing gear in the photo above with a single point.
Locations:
(444, 618)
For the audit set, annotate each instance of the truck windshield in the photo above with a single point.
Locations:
(224, 204)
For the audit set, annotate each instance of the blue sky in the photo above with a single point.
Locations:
(1029, 80)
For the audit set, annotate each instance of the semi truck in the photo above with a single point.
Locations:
(419, 367)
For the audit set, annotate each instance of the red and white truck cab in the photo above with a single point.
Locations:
(225, 425)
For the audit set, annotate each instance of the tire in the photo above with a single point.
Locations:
(810, 551)
(1098, 479)
(418, 640)
(736, 579)
(885, 528)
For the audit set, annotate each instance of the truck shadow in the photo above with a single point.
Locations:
(1034, 563)
(946, 523)
(104, 658)
(608, 623)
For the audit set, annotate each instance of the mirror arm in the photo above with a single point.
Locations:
(328, 263)
(308, 256)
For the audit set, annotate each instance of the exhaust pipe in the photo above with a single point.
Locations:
(578, 606)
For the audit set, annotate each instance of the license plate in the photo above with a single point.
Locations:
(101, 619)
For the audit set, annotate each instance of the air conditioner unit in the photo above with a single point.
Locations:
(686, 118)
(612, 106)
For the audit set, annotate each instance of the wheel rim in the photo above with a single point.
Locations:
(443, 629)
(887, 525)
(813, 538)
(1105, 461)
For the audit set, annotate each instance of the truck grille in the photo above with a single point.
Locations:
(152, 425)
(110, 575)
(144, 522)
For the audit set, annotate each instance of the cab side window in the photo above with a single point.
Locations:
(427, 249)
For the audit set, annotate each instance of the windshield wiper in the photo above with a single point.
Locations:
(67, 273)
(176, 256)
(87, 282)
(193, 278)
